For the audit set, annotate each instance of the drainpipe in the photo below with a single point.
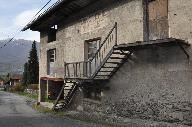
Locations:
(146, 20)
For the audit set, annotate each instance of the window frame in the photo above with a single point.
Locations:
(54, 55)
(88, 42)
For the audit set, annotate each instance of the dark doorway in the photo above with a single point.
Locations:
(54, 88)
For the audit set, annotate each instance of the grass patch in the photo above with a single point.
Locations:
(42, 109)
(33, 96)
(25, 94)
(21, 90)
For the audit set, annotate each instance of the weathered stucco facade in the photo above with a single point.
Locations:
(155, 83)
(71, 37)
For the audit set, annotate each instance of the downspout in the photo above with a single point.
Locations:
(145, 20)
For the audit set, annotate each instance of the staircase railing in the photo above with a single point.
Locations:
(87, 69)
(78, 69)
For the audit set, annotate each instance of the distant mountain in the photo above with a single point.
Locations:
(14, 55)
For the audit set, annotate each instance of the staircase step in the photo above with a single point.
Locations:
(67, 100)
(103, 75)
(67, 86)
(116, 58)
(105, 71)
(63, 102)
(67, 89)
(120, 53)
(113, 62)
(69, 81)
(109, 67)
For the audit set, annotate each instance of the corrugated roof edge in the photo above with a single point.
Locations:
(51, 8)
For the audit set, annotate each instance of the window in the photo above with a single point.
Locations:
(52, 34)
(52, 55)
(51, 59)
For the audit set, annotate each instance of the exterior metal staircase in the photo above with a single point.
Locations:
(68, 89)
(106, 62)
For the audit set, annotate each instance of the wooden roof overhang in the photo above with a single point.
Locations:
(56, 13)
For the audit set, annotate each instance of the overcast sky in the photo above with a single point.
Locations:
(15, 14)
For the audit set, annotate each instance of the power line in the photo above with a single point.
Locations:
(40, 10)
(10, 40)
(43, 7)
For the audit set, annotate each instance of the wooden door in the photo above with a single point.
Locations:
(91, 47)
(158, 19)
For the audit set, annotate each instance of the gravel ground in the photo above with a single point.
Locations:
(15, 111)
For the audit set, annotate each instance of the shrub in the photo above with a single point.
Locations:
(18, 88)
(33, 87)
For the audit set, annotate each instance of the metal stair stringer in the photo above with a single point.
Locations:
(123, 56)
(68, 96)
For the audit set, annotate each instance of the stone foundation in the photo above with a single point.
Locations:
(155, 84)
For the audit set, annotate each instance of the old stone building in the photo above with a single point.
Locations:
(129, 58)
(15, 79)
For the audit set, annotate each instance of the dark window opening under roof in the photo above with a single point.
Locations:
(52, 34)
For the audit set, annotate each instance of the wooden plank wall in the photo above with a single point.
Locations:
(158, 19)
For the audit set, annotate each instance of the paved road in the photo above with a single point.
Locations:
(15, 112)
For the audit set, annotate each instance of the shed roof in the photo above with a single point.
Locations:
(57, 12)
(16, 77)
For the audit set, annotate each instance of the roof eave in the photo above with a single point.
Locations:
(51, 9)
(62, 10)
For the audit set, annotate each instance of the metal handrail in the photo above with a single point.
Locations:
(88, 64)
(115, 26)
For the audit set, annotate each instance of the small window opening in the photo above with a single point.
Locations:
(52, 55)
(52, 34)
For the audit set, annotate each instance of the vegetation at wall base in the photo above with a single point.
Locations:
(42, 109)
(21, 90)
(25, 94)
(32, 96)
